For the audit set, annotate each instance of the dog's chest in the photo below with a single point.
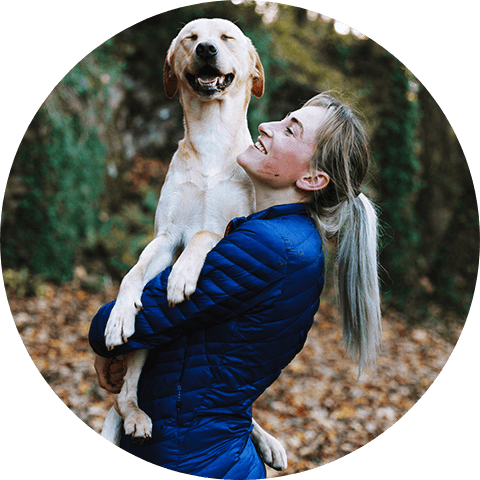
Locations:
(206, 199)
(212, 186)
(206, 171)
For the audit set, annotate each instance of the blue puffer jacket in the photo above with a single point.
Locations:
(213, 356)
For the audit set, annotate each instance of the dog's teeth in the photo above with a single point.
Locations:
(209, 83)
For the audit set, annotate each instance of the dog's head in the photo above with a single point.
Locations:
(211, 57)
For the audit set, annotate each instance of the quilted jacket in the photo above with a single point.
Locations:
(212, 356)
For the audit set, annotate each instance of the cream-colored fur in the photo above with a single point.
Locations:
(204, 189)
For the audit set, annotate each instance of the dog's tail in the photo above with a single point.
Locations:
(112, 427)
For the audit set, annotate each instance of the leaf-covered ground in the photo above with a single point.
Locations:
(317, 408)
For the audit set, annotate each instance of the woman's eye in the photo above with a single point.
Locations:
(290, 131)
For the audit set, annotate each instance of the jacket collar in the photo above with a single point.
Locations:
(267, 214)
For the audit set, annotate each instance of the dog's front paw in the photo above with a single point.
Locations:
(121, 324)
(271, 451)
(182, 282)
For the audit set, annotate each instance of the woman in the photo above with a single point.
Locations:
(212, 356)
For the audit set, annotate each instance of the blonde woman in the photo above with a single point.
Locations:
(212, 356)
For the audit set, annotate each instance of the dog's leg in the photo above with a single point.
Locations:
(112, 427)
(120, 326)
(137, 424)
(155, 258)
(269, 448)
(182, 281)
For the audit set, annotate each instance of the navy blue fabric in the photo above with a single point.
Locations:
(213, 356)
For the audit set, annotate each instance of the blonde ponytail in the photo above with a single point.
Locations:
(342, 212)
(358, 288)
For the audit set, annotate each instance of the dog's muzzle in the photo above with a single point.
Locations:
(208, 80)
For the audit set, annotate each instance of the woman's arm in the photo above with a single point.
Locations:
(245, 269)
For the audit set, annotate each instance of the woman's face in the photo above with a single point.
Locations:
(281, 156)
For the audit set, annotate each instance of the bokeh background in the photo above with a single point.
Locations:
(83, 188)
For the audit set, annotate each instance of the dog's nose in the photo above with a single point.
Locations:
(206, 50)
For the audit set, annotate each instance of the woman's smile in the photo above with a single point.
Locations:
(259, 146)
(282, 153)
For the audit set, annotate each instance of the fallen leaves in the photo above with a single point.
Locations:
(317, 408)
(54, 329)
(321, 412)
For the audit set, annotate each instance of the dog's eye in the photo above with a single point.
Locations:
(226, 37)
(193, 37)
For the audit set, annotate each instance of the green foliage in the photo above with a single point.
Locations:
(456, 275)
(22, 283)
(59, 167)
(63, 180)
(124, 235)
(398, 175)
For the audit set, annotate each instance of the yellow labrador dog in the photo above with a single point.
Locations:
(215, 69)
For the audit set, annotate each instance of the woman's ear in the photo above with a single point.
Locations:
(313, 181)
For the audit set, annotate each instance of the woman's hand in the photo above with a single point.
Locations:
(110, 372)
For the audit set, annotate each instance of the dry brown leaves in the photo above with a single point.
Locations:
(317, 408)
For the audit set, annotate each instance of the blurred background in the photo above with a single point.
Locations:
(82, 192)
(87, 176)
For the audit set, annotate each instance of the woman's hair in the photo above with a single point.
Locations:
(342, 212)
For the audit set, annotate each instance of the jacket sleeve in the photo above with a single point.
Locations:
(245, 270)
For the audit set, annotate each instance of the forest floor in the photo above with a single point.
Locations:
(317, 408)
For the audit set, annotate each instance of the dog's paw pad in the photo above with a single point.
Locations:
(138, 426)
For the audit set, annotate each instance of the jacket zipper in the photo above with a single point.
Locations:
(179, 393)
(179, 385)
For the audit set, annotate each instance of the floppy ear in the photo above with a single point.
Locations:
(170, 81)
(258, 84)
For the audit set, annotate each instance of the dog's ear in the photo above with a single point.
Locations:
(170, 81)
(258, 84)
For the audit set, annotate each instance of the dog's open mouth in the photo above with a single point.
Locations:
(209, 81)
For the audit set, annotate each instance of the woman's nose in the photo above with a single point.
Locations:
(265, 129)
